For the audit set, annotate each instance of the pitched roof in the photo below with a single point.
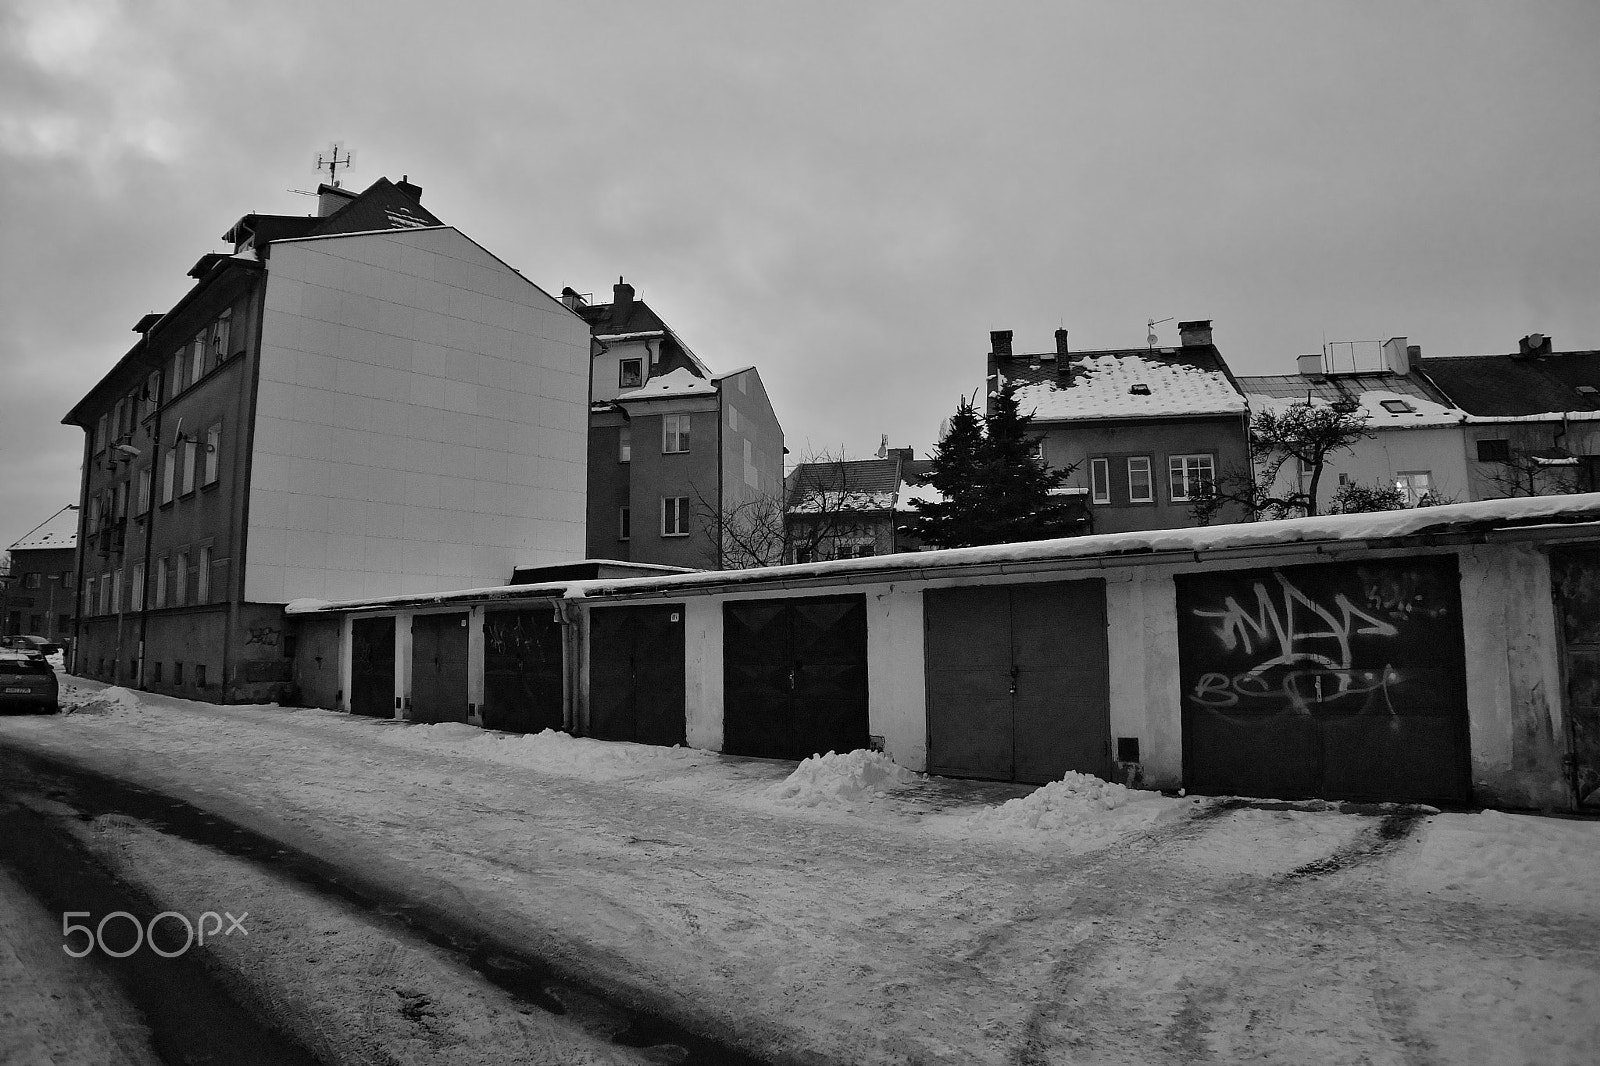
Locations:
(60, 530)
(612, 319)
(1507, 386)
(1125, 383)
(1391, 401)
(681, 382)
(847, 485)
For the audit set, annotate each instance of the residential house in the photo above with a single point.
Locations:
(359, 402)
(39, 587)
(1140, 429)
(1414, 438)
(676, 452)
(851, 508)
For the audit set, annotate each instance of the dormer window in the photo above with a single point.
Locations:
(1397, 407)
(630, 373)
(1139, 389)
(1588, 392)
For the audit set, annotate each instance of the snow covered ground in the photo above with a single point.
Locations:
(848, 910)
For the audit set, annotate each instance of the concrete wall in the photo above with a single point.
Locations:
(421, 422)
(654, 474)
(1439, 451)
(610, 482)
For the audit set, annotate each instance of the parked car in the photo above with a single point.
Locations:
(27, 682)
(43, 645)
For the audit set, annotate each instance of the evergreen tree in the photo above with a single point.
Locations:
(995, 491)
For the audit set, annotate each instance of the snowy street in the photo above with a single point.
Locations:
(846, 911)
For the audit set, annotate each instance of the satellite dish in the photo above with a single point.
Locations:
(1536, 340)
(1152, 340)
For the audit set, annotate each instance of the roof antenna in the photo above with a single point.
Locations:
(331, 162)
(1152, 340)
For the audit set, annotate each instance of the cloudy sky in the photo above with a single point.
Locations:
(848, 195)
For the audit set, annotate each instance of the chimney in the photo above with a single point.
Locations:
(1394, 355)
(1531, 345)
(1195, 334)
(330, 198)
(621, 297)
(1000, 343)
(1310, 366)
(1413, 358)
(405, 186)
(1063, 358)
(572, 298)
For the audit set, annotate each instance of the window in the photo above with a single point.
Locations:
(1414, 485)
(177, 673)
(213, 453)
(88, 600)
(189, 447)
(197, 357)
(625, 445)
(202, 576)
(116, 589)
(100, 429)
(854, 548)
(219, 339)
(630, 373)
(136, 588)
(32, 581)
(161, 583)
(1397, 407)
(1140, 489)
(199, 675)
(1100, 480)
(1036, 449)
(69, 579)
(675, 516)
(675, 433)
(155, 673)
(169, 474)
(180, 579)
(1494, 451)
(625, 523)
(175, 373)
(105, 594)
(1189, 476)
(120, 510)
(142, 497)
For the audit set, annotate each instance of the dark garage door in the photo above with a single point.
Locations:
(522, 670)
(372, 667)
(1341, 681)
(439, 668)
(636, 674)
(1018, 681)
(1577, 581)
(794, 676)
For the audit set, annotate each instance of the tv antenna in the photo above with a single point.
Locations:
(1152, 340)
(330, 161)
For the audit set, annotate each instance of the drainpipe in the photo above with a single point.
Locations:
(573, 695)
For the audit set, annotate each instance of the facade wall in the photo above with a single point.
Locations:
(40, 593)
(1066, 444)
(1494, 480)
(752, 439)
(610, 487)
(1440, 453)
(421, 422)
(606, 369)
(655, 475)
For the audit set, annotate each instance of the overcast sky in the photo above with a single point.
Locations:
(848, 195)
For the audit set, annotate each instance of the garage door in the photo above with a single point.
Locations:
(1018, 681)
(372, 667)
(439, 668)
(1577, 582)
(522, 671)
(795, 676)
(636, 674)
(1341, 681)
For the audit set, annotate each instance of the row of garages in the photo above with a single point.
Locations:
(1399, 667)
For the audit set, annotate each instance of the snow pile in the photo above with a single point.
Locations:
(1079, 809)
(113, 699)
(1513, 858)
(550, 750)
(835, 780)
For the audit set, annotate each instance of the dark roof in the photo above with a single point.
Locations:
(381, 205)
(634, 316)
(1504, 386)
(1297, 386)
(868, 476)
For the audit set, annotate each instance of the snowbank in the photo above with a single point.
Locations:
(835, 780)
(1513, 858)
(1079, 811)
(112, 699)
(549, 751)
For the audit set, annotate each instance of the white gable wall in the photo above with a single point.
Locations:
(421, 420)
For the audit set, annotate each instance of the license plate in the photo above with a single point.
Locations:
(19, 690)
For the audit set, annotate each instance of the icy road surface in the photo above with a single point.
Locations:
(848, 911)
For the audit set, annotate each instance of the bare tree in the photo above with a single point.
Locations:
(1305, 432)
(795, 522)
(1527, 473)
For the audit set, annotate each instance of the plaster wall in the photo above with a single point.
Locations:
(421, 421)
(1441, 452)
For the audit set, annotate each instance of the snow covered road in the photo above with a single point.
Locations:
(851, 912)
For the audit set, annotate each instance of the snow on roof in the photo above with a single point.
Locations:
(825, 500)
(1390, 401)
(1134, 383)
(60, 530)
(681, 382)
(1099, 550)
(912, 494)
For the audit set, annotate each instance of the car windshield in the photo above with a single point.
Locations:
(16, 664)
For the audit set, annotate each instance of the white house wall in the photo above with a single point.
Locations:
(421, 422)
(1441, 452)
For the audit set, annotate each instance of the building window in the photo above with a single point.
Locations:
(1397, 407)
(625, 445)
(213, 453)
(202, 576)
(105, 593)
(219, 339)
(142, 497)
(1414, 485)
(854, 548)
(136, 588)
(1140, 489)
(32, 581)
(199, 675)
(175, 373)
(625, 523)
(189, 447)
(1190, 476)
(88, 601)
(155, 673)
(630, 373)
(116, 589)
(180, 579)
(675, 516)
(69, 579)
(1494, 451)
(197, 357)
(100, 430)
(169, 474)
(177, 673)
(675, 433)
(1036, 449)
(161, 582)
(1100, 480)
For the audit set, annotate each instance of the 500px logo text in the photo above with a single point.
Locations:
(129, 935)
